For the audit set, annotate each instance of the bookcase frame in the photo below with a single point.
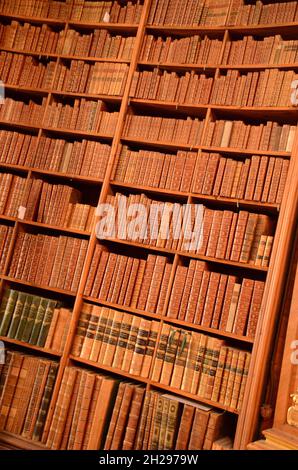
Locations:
(275, 273)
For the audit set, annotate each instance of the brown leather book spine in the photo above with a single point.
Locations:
(133, 419)
(185, 427)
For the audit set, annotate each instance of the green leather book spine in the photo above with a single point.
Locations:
(24, 317)
(43, 333)
(38, 321)
(8, 311)
(19, 306)
(30, 319)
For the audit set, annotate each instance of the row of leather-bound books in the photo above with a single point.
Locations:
(81, 157)
(268, 136)
(92, 116)
(44, 39)
(35, 320)
(200, 49)
(5, 240)
(220, 13)
(82, 115)
(197, 49)
(26, 386)
(267, 88)
(194, 228)
(168, 12)
(53, 204)
(62, 259)
(95, 411)
(186, 360)
(77, 76)
(199, 295)
(76, 10)
(256, 178)
(270, 87)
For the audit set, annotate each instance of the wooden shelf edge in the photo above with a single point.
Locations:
(20, 442)
(36, 286)
(16, 342)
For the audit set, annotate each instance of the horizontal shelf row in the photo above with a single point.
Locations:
(257, 112)
(162, 65)
(131, 27)
(148, 143)
(156, 385)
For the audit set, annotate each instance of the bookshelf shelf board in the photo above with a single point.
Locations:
(32, 19)
(109, 369)
(233, 202)
(67, 176)
(37, 286)
(182, 393)
(276, 28)
(224, 262)
(159, 145)
(29, 346)
(197, 109)
(162, 251)
(264, 206)
(262, 112)
(149, 189)
(31, 91)
(179, 67)
(186, 30)
(244, 152)
(57, 174)
(185, 254)
(212, 67)
(248, 67)
(153, 316)
(94, 59)
(56, 228)
(8, 218)
(245, 111)
(20, 442)
(121, 27)
(74, 132)
(20, 125)
(108, 98)
(11, 166)
(14, 50)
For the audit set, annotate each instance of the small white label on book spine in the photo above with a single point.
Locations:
(22, 212)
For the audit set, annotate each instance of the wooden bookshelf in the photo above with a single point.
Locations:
(286, 212)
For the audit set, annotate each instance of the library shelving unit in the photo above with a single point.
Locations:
(96, 189)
